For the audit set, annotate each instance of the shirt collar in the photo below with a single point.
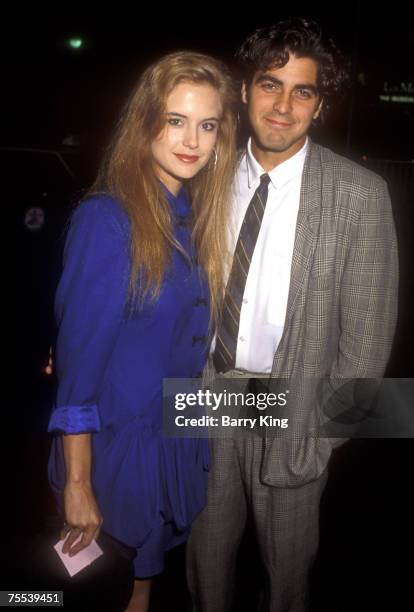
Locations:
(281, 174)
(180, 204)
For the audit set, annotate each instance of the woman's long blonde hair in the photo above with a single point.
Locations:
(128, 174)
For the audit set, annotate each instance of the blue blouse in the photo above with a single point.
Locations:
(111, 360)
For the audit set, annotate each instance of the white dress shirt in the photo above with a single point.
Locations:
(265, 296)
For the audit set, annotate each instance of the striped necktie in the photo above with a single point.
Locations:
(224, 357)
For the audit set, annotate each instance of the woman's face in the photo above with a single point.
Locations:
(185, 144)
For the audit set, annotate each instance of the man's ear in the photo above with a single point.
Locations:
(318, 110)
(244, 92)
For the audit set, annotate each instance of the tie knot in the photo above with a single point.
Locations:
(264, 180)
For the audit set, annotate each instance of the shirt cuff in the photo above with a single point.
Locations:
(75, 419)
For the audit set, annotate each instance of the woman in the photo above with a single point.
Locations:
(140, 289)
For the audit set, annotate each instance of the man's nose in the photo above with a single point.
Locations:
(283, 103)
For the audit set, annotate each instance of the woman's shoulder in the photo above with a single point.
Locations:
(102, 211)
(102, 205)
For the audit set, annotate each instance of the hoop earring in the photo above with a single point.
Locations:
(215, 158)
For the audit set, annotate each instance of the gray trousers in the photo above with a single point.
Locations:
(286, 523)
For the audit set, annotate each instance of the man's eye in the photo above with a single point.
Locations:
(268, 86)
(209, 126)
(304, 93)
(174, 121)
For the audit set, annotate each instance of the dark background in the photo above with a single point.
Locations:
(59, 107)
(51, 92)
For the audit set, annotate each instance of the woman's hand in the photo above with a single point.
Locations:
(82, 516)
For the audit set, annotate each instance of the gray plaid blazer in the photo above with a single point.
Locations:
(342, 303)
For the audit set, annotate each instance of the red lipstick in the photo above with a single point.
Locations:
(188, 159)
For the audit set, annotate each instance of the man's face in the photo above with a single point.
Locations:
(282, 102)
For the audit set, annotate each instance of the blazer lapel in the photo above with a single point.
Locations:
(307, 229)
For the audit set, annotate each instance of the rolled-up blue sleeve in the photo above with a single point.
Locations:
(89, 307)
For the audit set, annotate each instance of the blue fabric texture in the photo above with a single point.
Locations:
(111, 360)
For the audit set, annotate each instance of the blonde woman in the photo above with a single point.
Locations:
(139, 292)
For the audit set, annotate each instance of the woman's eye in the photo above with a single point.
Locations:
(209, 126)
(174, 121)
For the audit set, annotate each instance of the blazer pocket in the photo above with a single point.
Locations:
(321, 281)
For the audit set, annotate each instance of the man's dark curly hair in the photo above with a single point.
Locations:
(269, 47)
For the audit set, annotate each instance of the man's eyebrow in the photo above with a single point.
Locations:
(268, 77)
(185, 117)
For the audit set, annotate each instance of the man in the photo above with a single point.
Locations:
(311, 293)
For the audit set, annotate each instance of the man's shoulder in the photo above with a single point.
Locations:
(345, 170)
